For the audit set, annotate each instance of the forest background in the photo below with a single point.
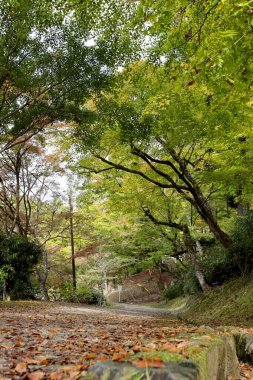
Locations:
(126, 144)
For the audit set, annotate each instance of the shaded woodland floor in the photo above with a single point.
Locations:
(52, 341)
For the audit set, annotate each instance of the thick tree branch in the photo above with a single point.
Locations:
(137, 172)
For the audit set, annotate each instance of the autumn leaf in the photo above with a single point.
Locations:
(31, 361)
(118, 356)
(143, 363)
(43, 361)
(74, 375)
(155, 364)
(56, 375)
(38, 375)
(21, 368)
(91, 356)
(19, 344)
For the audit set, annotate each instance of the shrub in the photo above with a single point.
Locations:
(174, 291)
(24, 290)
(218, 266)
(242, 237)
(83, 294)
(18, 255)
(190, 282)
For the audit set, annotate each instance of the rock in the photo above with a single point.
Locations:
(244, 346)
(108, 370)
(216, 358)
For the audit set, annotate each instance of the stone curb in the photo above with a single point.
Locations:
(109, 370)
(212, 357)
(244, 346)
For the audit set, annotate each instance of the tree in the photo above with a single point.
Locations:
(160, 132)
(18, 256)
(53, 56)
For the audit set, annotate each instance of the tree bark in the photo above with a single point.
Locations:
(190, 246)
(42, 274)
(72, 242)
(6, 294)
(191, 249)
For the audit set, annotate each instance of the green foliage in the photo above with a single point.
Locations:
(18, 256)
(228, 305)
(52, 56)
(173, 291)
(24, 289)
(243, 242)
(218, 266)
(191, 285)
(83, 294)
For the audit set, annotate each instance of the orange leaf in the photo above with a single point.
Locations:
(53, 331)
(56, 375)
(38, 375)
(140, 363)
(19, 344)
(118, 356)
(74, 375)
(156, 364)
(91, 356)
(21, 368)
(157, 359)
(5, 346)
(43, 361)
(103, 357)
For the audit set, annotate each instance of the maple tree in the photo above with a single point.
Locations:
(180, 119)
(53, 56)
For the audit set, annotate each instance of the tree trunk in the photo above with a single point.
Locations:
(42, 273)
(199, 201)
(6, 294)
(191, 249)
(206, 213)
(72, 242)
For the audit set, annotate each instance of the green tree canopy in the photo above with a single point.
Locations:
(53, 55)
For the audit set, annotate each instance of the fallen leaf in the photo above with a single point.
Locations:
(74, 375)
(43, 361)
(91, 356)
(19, 344)
(118, 356)
(56, 375)
(38, 375)
(21, 368)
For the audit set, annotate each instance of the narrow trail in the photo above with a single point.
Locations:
(61, 341)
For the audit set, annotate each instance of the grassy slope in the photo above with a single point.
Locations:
(229, 304)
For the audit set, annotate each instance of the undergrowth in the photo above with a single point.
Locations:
(229, 304)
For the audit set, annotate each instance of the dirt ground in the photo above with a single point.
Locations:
(50, 341)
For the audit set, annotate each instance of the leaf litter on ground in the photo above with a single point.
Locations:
(50, 341)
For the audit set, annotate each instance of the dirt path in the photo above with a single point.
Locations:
(121, 309)
(45, 341)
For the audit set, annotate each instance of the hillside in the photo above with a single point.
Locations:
(229, 304)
